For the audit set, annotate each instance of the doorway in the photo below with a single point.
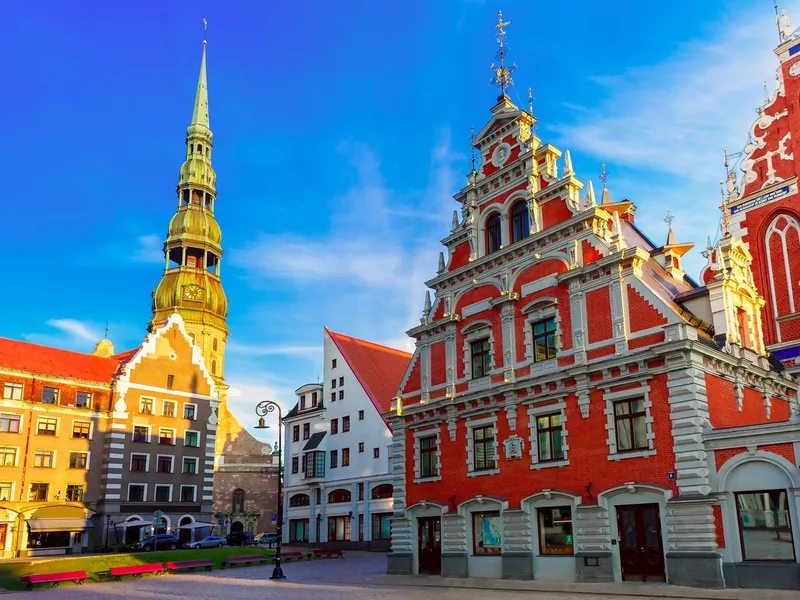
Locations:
(184, 534)
(430, 545)
(641, 551)
(237, 527)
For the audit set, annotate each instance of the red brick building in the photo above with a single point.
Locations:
(578, 408)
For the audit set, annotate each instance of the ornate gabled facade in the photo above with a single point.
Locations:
(577, 406)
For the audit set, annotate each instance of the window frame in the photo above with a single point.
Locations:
(54, 430)
(46, 490)
(376, 453)
(516, 215)
(334, 426)
(174, 404)
(535, 337)
(195, 460)
(187, 487)
(630, 416)
(144, 487)
(9, 450)
(146, 462)
(11, 418)
(156, 487)
(146, 428)
(88, 436)
(55, 397)
(9, 485)
(295, 465)
(380, 518)
(429, 456)
(493, 227)
(186, 438)
(540, 513)
(87, 396)
(81, 488)
(174, 437)
(361, 415)
(345, 423)
(741, 527)
(484, 442)
(13, 385)
(551, 432)
(484, 355)
(333, 459)
(79, 453)
(306, 431)
(295, 433)
(345, 457)
(171, 458)
(193, 405)
(152, 404)
(43, 453)
(475, 544)
(360, 447)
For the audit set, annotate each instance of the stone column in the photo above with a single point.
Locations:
(692, 557)
(400, 560)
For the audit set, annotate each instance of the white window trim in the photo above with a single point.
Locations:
(172, 462)
(91, 428)
(144, 497)
(611, 441)
(194, 493)
(58, 425)
(482, 422)
(152, 400)
(149, 431)
(21, 394)
(30, 489)
(418, 435)
(196, 461)
(199, 438)
(537, 411)
(160, 485)
(12, 494)
(16, 453)
(21, 422)
(174, 436)
(56, 398)
(174, 412)
(54, 454)
(183, 408)
(88, 460)
(146, 462)
(91, 399)
(475, 332)
(540, 310)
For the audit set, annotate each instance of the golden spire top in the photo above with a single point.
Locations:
(726, 217)
(502, 73)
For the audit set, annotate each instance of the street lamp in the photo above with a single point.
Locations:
(263, 408)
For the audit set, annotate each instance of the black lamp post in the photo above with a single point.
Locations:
(263, 408)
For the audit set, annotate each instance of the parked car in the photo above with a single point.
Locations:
(240, 539)
(162, 541)
(210, 541)
(267, 539)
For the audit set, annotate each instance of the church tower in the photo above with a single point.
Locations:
(191, 284)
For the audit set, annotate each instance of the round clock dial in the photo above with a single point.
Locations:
(193, 292)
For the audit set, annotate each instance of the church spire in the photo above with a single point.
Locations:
(200, 114)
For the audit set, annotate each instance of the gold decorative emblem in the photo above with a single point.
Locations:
(193, 292)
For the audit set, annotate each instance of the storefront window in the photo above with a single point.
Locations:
(381, 526)
(555, 531)
(48, 539)
(766, 530)
(339, 529)
(486, 536)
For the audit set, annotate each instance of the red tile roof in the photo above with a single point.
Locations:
(379, 369)
(55, 362)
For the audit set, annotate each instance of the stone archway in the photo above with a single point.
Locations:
(184, 534)
(237, 527)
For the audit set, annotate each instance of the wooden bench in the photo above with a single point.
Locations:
(201, 563)
(247, 559)
(135, 570)
(288, 556)
(320, 552)
(53, 578)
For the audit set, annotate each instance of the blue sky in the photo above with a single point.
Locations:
(341, 132)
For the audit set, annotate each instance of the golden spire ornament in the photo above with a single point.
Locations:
(726, 217)
(472, 147)
(502, 73)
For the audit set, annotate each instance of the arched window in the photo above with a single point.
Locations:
(237, 505)
(300, 500)
(493, 238)
(382, 491)
(520, 225)
(214, 344)
(783, 243)
(213, 367)
(338, 496)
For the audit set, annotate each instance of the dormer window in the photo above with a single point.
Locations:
(520, 223)
(493, 237)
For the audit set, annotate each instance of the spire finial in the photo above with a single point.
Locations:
(670, 235)
(200, 114)
(669, 218)
(766, 93)
(472, 147)
(604, 175)
(530, 101)
(726, 217)
(106, 334)
(205, 31)
(568, 172)
(502, 73)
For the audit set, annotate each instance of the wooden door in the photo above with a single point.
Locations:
(640, 549)
(3, 531)
(430, 545)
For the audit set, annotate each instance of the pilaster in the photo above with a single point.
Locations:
(577, 306)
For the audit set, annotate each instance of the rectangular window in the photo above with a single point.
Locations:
(191, 439)
(548, 434)
(83, 400)
(314, 400)
(765, 525)
(341, 394)
(333, 382)
(50, 395)
(360, 446)
(166, 437)
(141, 433)
(555, 531)
(544, 340)
(12, 391)
(334, 459)
(381, 526)
(428, 457)
(296, 433)
(168, 408)
(81, 429)
(39, 492)
(334, 426)
(44, 458)
(376, 453)
(345, 457)
(74, 493)
(164, 464)
(333, 396)
(314, 464)
(146, 406)
(170, 381)
(295, 464)
(341, 381)
(345, 424)
(163, 493)
(139, 462)
(6, 491)
(486, 535)
(361, 415)
(190, 466)
(360, 492)
(46, 426)
(339, 529)
(483, 448)
(630, 425)
(8, 456)
(303, 402)
(306, 431)
(9, 423)
(78, 460)
(187, 493)
(480, 352)
(360, 527)
(333, 363)
(136, 492)
(190, 411)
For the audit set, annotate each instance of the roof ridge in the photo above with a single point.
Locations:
(34, 344)
(367, 342)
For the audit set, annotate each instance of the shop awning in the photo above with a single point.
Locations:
(134, 523)
(69, 524)
(196, 525)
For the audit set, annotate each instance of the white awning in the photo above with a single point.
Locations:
(68, 524)
(133, 523)
(196, 525)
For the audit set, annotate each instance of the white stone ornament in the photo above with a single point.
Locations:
(513, 447)
(501, 154)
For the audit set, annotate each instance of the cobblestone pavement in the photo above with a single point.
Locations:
(360, 576)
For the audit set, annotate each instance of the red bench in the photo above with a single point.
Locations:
(247, 559)
(320, 552)
(53, 578)
(135, 570)
(179, 565)
(288, 556)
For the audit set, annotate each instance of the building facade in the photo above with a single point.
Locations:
(577, 407)
(337, 448)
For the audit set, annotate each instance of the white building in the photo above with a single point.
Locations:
(337, 484)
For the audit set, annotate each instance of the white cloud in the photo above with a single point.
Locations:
(70, 334)
(149, 249)
(264, 350)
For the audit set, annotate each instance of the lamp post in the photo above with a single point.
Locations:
(263, 408)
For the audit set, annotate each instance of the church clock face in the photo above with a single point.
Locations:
(193, 292)
(501, 154)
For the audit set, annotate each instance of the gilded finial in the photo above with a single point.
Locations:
(530, 101)
(502, 73)
(205, 31)
(472, 147)
(106, 334)
(726, 217)
(603, 174)
(669, 218)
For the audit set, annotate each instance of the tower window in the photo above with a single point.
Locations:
(520, 226)
(493, 234)
(213, 367)
(191, 261)
(200, 148)
(214, 344)
(170, 381)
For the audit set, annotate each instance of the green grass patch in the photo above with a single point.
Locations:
(11, 572)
